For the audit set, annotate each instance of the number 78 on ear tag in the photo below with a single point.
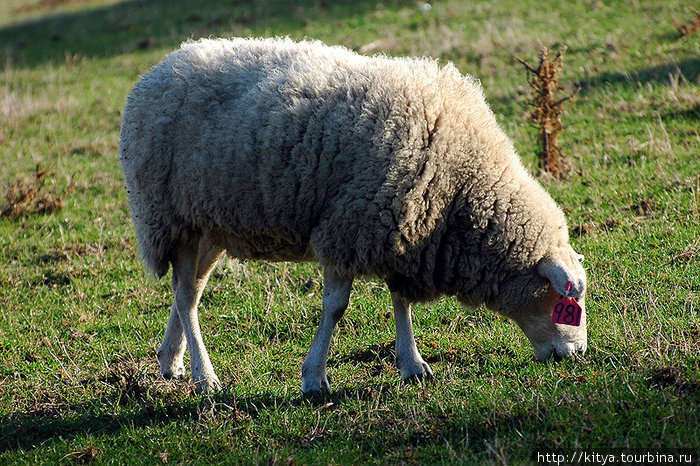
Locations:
(567, 311)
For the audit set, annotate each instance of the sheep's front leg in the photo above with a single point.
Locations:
(189, 283)
(336, 296)
(408, 359)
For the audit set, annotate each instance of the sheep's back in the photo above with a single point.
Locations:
(259, 141)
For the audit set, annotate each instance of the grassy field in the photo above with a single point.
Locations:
(80, 320)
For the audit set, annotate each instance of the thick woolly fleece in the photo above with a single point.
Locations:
(392, 167)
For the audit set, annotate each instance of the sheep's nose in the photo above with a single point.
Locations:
(569, 350)
(558, 356)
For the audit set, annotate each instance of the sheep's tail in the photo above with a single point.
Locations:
(154, 236)
(155, 252)
(146, 167)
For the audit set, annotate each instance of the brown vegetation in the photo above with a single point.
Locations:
(687, 29)
(86, 455)
(27, 194)
(592, 227)
(547, 109)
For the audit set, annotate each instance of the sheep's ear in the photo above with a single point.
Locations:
(559, 275)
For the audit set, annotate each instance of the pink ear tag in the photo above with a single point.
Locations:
(567, 311)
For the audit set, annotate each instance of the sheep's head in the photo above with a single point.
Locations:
(529, 298)
(566, 277)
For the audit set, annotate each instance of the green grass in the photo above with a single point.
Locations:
(80, 320)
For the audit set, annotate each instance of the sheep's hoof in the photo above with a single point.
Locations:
(416, 372)
(314, 381)
(315, 387)
(171, 366)
(177, 372)
(207, 385)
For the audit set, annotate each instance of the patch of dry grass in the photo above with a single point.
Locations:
(28, 194)
(20, 103)
(692, 27)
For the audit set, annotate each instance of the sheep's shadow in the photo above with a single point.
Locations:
(27, 430)
(146, 405)
(24, 431)
(134, 25)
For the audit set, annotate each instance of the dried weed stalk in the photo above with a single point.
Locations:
(547, 109)
(687, 29)
(86, 455)
(27, 194)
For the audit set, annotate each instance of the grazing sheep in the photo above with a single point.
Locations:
(392, 167)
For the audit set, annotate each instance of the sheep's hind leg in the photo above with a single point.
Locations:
(408, 359)
(191, 271)
(172, 350)
(336, 296)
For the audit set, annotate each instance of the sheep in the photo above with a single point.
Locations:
(389, 167)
